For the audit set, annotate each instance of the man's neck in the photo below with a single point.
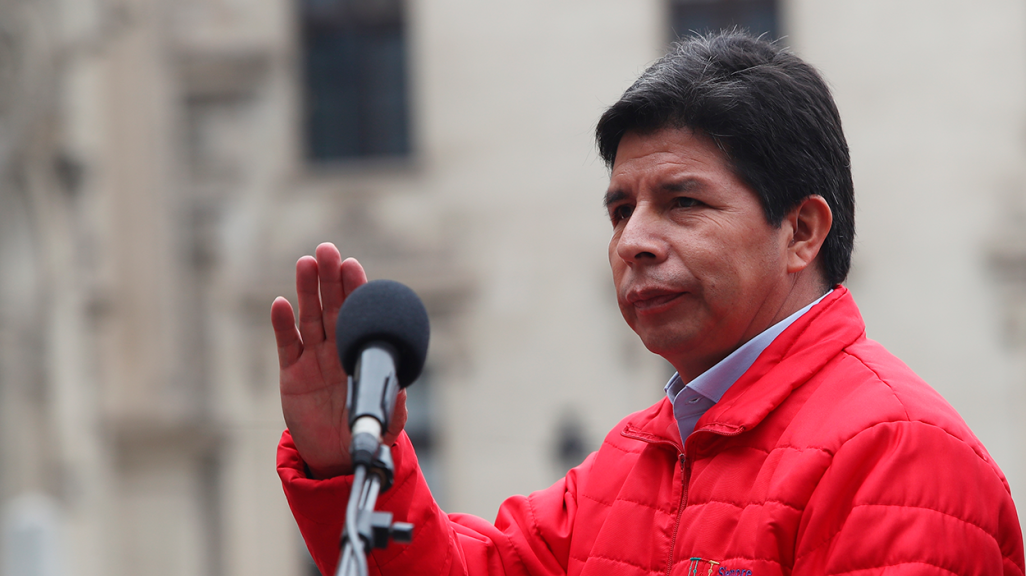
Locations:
(803, 289)
(743, 356)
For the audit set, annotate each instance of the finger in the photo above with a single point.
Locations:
(399, 416)
(311, 328)
(329, 267)
(286, 335)
(353, 276)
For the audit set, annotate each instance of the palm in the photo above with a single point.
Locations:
(313, 397)
(313, 384)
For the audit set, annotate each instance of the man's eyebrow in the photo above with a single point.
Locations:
(682, 185)
(613, 196)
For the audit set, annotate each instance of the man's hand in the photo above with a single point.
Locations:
(312, 382)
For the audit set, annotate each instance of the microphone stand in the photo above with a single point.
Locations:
(373, 473)
(366, 529)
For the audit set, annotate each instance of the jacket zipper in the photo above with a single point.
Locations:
(685, 466)
(685, 473)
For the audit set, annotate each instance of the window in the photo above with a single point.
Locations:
(355, 79)
(756, 16)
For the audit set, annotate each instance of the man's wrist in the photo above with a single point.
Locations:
(316, 473)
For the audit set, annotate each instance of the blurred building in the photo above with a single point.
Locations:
(164, 163)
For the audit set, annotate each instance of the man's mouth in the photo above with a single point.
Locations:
(652, 299)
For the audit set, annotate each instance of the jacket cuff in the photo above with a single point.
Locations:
(319, 506)
(319, 501)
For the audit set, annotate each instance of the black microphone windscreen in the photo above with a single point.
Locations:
(384, 310)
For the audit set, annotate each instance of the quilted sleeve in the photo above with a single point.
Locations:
(910, 498)
(531, 534)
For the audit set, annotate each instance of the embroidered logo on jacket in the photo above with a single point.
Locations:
(697, 567)
(702, 567)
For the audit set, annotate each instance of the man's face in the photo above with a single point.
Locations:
(698, 270)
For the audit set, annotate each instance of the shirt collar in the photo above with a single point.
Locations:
(714, 382)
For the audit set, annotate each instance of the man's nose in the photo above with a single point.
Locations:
(641, 239)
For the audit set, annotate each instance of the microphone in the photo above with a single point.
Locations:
(382, 336)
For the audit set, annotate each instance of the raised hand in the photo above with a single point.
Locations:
(311, 379)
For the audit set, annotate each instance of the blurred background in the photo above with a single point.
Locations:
(163, 163)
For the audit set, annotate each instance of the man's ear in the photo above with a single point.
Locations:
(810, 222)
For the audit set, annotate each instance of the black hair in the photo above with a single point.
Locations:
(769, 111)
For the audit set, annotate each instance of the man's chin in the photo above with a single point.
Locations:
(675, 346)
(666, 345)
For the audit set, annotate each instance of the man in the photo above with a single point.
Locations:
(788, 442)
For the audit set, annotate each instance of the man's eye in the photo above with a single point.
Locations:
(621, 212)
(685, 202)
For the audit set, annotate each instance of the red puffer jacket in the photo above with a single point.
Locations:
(829, 456)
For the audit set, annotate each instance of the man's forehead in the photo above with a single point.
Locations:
(673, 155)
(668, 145)
(645, 138)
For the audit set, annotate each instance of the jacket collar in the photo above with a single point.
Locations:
(795, 355)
